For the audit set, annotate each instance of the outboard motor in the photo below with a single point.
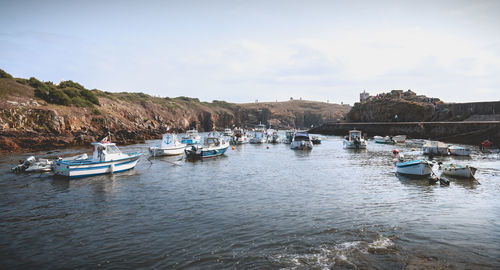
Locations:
(357, 142)
(24, 164)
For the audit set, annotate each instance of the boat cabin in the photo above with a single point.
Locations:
(105, 151)
(168, 139)
(260, 127)
(191, 133)
(213, 139)
(238, 133)
(354, 135)
(301, 136)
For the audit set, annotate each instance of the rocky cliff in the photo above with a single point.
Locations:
(30, 119)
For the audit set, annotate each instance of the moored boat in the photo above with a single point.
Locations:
(239, 137)
(301, 141)
(459, 170)
(354, 140)
(399, 139)
(259, 134)
(289, 136)
(434, 148)
(316, 139)
(417, 167)
(228, 132)
(384, 140)
(458, 150)
(170, 146)
(214, 145)
(274, 137)
(191, 137)
(106, 158)
(258, 137)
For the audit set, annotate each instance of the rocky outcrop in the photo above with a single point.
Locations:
(387, 110)
(409, 107)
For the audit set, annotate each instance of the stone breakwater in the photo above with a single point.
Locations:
(455, 132)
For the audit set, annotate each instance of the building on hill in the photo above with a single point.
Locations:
(364, 96)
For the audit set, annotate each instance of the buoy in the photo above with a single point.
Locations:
(395, 151)
(267, 147)
(232, 147)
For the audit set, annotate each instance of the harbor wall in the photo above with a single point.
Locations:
(455, 132)
(463, 110)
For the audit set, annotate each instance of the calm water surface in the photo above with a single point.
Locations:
(253, 208)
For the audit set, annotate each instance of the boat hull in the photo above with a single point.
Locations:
(257, 141)
(84, 169)
(173, 151)
(205, 153)
(414, 167)
(459, 151)
(383, 140)
(301, 145)
(353, 145)
(459, 171)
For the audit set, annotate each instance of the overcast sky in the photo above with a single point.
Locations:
(240, 51)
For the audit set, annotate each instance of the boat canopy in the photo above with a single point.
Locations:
(105, 151)
(302, 136)
(354, 134)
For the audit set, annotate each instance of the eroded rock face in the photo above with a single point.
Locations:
(387, 110)
(50, 126)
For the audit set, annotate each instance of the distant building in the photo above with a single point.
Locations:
(364, 96)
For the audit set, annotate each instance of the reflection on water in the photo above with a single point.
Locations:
(259, 206)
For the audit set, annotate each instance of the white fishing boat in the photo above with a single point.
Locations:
(274, 137)
(191, 137)
(301, 141)
(435, 148)
(458, 150)
(258, 137)
(384, 140)
(170, 146)
(459, 170)
(354, 140)
(228, 132)
(214, 145)
(399, 139)
(289, 136)
(239, 137)
(418, 167)
(106, 158)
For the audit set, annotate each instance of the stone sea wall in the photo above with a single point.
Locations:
(455, 132)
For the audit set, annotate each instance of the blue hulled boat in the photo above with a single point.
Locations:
(213, 146)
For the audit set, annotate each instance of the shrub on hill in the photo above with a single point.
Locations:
(67, 93)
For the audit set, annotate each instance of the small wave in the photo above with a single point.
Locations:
(381, 242)
(323, 257)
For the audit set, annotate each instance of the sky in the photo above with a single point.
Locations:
(242, 51)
